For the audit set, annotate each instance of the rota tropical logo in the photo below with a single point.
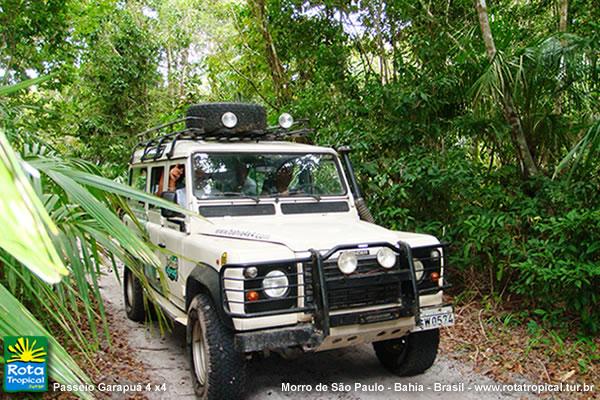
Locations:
(25, 364)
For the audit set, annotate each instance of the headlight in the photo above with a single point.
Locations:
(229, 119)
(275, 284)
(435, 255)
(386, 257)
(347, 262)
(419, 269)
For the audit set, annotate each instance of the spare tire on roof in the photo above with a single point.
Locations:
(250, 117)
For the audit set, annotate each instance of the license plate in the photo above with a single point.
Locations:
(433, 318)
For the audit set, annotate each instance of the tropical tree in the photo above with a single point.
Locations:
(59, 226)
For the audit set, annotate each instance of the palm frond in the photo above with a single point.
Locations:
(27, 228)
(584, 152)
(15, 319)
(7, 90)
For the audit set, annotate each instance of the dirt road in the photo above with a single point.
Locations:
(355, 368)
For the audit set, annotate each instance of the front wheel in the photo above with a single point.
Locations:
(133, 296)
(410, 355)
(218, 371)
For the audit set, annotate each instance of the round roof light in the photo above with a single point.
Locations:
(286, 121)
(229, 119)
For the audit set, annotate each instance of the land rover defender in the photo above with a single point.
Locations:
(279, 254)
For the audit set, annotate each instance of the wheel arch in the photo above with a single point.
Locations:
(205, 279)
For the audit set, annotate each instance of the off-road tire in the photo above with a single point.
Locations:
(226, 369)
(410, 355)
(250, 117)
(133, 297)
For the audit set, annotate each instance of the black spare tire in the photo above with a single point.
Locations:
(250, 117)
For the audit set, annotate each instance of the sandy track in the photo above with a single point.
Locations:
(166, 363)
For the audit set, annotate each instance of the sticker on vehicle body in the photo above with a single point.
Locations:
(242, 234)
(172, 268)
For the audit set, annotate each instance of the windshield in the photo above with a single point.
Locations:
(219, 175)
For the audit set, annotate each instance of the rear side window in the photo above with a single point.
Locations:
(156, 180)
(138, 178)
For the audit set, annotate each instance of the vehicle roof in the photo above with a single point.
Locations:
(184, 148)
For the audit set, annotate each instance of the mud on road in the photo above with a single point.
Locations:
(356, 368)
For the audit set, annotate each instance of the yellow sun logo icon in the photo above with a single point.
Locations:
(25, 351)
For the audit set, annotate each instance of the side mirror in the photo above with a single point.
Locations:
(171, 197)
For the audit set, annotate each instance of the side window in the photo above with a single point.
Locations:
(138, 178)
(156, 180)
(176, 182)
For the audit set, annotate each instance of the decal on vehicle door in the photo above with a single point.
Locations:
(172, 269)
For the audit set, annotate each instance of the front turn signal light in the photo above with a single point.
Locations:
(252, 295)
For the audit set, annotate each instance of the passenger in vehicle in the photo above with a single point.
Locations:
(177, 183)
(244, 184)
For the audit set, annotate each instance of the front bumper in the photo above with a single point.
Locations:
(308, 338)
(278, 338)
(317, 296)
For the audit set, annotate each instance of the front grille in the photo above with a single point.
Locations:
(369, 285)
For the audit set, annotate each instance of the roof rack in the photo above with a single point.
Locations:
(166, 134)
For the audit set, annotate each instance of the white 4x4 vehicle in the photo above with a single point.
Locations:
(282, 258)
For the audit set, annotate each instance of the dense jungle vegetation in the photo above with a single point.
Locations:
(476, 123)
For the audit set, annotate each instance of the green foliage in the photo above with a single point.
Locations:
(543, 248)
(111, 100)
(60, 225)
(406, 83)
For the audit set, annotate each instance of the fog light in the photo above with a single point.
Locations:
(251, 272)
(286, 121)
(229, 119)
(347, 262)
(386, 257)
(252, 295)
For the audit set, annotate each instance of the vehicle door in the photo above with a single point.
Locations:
(155, 221)
(172, 235)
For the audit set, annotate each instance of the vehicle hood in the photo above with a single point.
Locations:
(322, 235)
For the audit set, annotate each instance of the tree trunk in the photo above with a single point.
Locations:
(280, 83)
(510, 112)
(376, 11)
(184, 71)
(562, 28)
(564, 12)
(169, 72)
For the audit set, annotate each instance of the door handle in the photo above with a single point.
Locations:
(162, 245)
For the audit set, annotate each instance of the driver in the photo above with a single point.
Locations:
(279, 185)
(283, 179)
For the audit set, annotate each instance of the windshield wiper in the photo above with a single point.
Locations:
(241, 195)
(314, 196)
